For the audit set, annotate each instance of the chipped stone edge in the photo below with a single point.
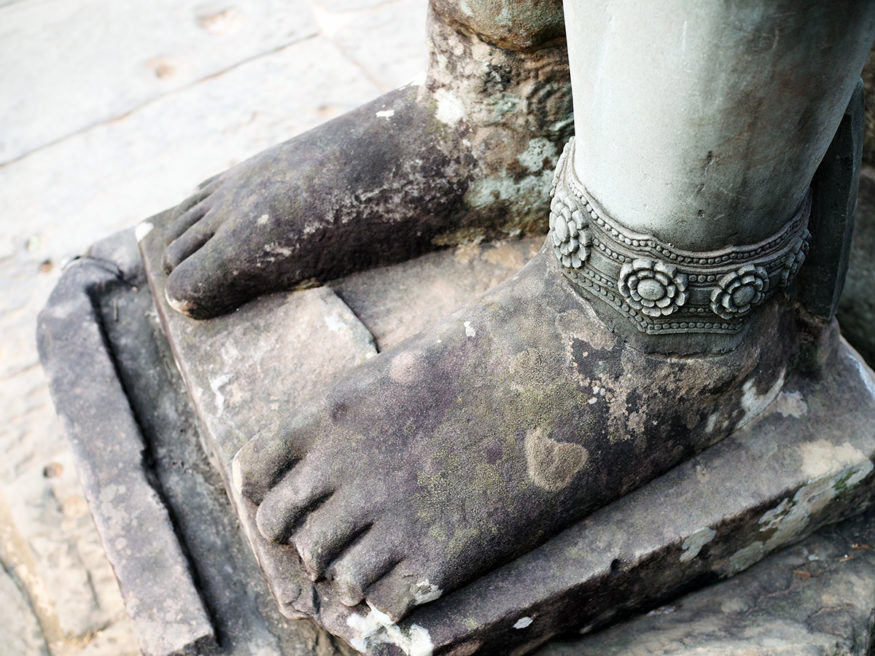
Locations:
(161, 598)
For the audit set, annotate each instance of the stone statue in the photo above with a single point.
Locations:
(657, 320)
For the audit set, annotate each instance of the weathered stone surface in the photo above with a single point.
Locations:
(813, 599)
(173, 143)
(611, 544)
(869, 86)
(241, 379)
(246, 620)
(510, 24)
(834, 188)
(150, 157)
(22, 635)
(136, 530)
(378, 40)
(399, 301)
(305, 339)
(190, 489)
(856, 311)
(155, 50)
(64, 573)
(46, 507)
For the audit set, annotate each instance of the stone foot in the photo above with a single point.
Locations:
(468, 154)
(472, 443)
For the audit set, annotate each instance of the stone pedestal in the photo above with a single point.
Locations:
(154, 442)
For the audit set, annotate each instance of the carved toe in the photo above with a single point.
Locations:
(185, 220)
(403, 588)
(371, 557)
(326, 533)
(188, 243)
(287, 503)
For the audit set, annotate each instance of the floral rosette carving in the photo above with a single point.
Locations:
(653, 288)
(569, 230)
(740, 291)
(795, 259)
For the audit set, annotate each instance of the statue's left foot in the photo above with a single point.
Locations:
(476, 441)
(466, 155)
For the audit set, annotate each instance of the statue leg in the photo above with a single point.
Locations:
(468, 153)
(651, 326)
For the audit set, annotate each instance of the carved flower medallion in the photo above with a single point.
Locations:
(653, 288)
(739, 292)
(795, 259)
(569, 231)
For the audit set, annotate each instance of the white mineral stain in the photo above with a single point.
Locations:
(426, 592)
(753, 403)
(377, 628)
(711, 424)
(822, 457)
(790, 519)
(237, 478)
(862, 368)
(488, 190)
(469, 329)
(216, 385)
(450, 109)
(334, 323)
(142, 230)
(536, 152)
(264, 218)
(386, 113)
(791, 404)
(744, 558)
(522, 623)
(694, 543)
(275, 249)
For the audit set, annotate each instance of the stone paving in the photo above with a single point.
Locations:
(114, 110)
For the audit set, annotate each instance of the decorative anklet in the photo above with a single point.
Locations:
(660, 288)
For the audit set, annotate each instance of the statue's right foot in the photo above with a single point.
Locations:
(525, 411)
(480, 438)
(469, 153)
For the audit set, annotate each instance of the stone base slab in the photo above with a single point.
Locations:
(806, 461)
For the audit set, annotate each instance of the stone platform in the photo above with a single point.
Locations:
(168, 529)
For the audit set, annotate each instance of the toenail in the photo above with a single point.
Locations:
(179, 305)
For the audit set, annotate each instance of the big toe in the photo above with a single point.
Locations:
(261, 463)
(204, 284)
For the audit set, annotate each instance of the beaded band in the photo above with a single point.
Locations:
(663, 289)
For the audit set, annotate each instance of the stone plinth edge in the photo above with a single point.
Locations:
(132, 520)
